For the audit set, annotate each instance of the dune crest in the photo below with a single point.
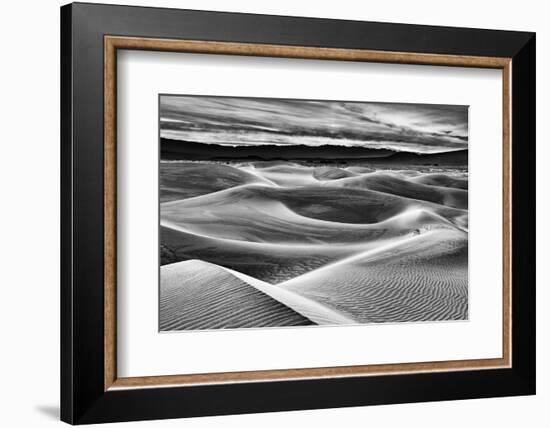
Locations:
(315, 311)
(196, 295)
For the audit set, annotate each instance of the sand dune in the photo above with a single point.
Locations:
(331, 173)
(412, 188)
(442, 180)
(288, 174)
(314, 311)
(181, 180)
(239, 214)
(275, 262)
(359, 169)
(331, 203)
(279, 243)
(266, 261)
(267, 164)
(195, 295)
(372, 286)
(421, 278)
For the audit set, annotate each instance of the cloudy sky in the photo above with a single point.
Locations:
(421, 128)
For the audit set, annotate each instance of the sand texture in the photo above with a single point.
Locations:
(276, 244)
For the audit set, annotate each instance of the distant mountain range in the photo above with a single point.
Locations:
(186, 150)
(455, 158)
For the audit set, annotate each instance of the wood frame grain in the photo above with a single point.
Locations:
(113, 43)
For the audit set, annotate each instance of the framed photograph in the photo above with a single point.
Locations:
(266, 213)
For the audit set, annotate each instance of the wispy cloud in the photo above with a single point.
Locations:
(422, 128)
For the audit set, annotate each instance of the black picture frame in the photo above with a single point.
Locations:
(83, 396)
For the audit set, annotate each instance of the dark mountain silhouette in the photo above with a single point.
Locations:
(186, 150)
(175, 149)
(455, 158)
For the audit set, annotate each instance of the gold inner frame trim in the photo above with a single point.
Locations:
(113, 43)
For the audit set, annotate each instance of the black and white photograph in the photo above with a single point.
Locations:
(288, 212)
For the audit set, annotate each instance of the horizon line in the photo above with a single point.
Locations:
(316, 147)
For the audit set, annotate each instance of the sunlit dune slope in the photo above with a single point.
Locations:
(330, 203)
(287, 174)
(421, 278)
(312, 310)
(331, 173)
(195, 295)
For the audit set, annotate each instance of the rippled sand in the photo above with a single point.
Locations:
(282, 244)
